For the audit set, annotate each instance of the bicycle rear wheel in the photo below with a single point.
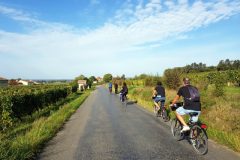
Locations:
(125, 103)
(164, 115)
(176, 129)
(199, 139)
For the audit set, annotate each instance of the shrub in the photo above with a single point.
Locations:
(151, 80)
(16, 102)
(172, 78)
(219, 80)
(6, 111)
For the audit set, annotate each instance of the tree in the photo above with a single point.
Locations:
(123, 77)
(228, 65)
(172, 78)
(13, 82)
(151, 80)
(141, 76)
(187, 68)
(81, 77)
(233, 76)
(74, 84)
(194, 67)
(221, 65)
(236, 64)
(219, 79)
(107, 77)
(92, 78)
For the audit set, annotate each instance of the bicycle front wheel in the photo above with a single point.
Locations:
(199, 139)
(176, 129)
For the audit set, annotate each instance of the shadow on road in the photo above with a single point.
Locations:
(131, 102)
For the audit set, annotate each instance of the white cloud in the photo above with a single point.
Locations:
(32, 22)
(95, 2)
(69, 49)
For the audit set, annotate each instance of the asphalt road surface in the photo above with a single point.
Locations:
(101, 129)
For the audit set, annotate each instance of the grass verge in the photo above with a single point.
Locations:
(24, 141)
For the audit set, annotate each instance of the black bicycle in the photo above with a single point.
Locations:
(162, 112)
(196, 136)
(123, 99)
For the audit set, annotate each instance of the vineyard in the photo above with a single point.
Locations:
(17, 102)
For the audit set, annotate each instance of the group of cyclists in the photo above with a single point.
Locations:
(123, 92)
(190, 96)
(189, 93)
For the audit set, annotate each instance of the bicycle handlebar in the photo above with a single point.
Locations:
(176, 105)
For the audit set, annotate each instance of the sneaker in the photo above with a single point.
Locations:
(185, 128)
(194, 142)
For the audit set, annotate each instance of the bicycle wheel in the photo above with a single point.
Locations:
(155, 111)
(176, 129)
(124, 103)
(121, 98)
(164, 115)
(199, 139)
(158, 112)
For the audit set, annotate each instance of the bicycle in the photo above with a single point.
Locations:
(161, 112)
(123, 99)
(196, 136)
(110, 90)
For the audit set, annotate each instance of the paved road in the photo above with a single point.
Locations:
(101, 129)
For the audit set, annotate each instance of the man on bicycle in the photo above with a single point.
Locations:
(110, 87)
(124, 91)
(116, 87)
(159, 95)
(191, 103)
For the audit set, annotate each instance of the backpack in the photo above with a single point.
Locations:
(194, 94)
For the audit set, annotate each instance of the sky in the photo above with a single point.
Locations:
(43, 39)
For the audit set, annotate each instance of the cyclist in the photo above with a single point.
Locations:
(124, 91)
(191, 103)
(110, 87)
(159, 95)
(116, 87)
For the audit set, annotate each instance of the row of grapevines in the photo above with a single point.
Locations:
(16, 102)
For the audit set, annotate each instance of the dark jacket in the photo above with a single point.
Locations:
(124, 90)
